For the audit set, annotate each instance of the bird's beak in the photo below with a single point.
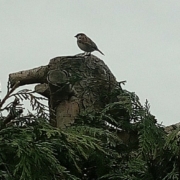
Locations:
(75, 36)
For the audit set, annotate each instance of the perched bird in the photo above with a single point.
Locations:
(86, 44)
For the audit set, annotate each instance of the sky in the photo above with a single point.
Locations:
(140, 40)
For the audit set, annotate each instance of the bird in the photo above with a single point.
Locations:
(86, 44)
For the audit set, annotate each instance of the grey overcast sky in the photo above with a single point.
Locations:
(140, 40)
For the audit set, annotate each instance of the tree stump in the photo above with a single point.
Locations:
(72, 84)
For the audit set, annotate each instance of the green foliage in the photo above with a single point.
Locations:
(121, 142)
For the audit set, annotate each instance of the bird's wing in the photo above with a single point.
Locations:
(90, 43)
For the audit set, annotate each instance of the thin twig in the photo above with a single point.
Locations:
(9, 92)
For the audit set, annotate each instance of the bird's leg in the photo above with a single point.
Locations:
(88, 54)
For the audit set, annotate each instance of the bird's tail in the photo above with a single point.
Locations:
(100, 51)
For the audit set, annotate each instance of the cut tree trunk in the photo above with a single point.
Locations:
(72, 84)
